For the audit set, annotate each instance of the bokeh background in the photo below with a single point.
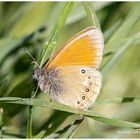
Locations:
(27, 25)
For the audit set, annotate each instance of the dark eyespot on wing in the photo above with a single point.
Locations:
(90, 83)
(83, 97)
(87, 89)
(78, 102)
(89, 77)
(83, 71)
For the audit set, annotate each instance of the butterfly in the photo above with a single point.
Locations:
(71, 77)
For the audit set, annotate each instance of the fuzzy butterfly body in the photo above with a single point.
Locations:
(71, 77)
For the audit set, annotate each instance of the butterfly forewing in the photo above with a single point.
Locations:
(85, 49)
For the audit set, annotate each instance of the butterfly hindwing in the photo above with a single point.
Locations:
(79, 86)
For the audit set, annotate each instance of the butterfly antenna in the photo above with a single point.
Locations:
(34, 61)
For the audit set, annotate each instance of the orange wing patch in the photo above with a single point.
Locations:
(85, 49)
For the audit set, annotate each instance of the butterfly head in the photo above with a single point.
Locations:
(40, 77)
(37, 73)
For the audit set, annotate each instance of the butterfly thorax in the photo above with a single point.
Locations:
(47, 79)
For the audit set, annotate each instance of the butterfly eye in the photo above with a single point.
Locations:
(83, 71)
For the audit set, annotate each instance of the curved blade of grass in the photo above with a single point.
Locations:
(11, 20)
(13, 135)
(51, 124)
(55, 33)
(76, 16)
(8, 45)
(40, 13)
(56, 106)
(111, 30)
(4, 83)
(132, 17)
(69, 130)
(118, 54)
(112, 50)
(22, 90)
(89, 9)
(120, 100)
(116, 122)
(73, 127)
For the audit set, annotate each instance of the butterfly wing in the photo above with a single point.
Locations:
(85, 49)
(76, 82)
(78, 86)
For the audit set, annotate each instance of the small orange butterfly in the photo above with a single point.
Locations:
(71, 76)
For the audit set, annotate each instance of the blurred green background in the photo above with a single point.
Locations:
(28, 24)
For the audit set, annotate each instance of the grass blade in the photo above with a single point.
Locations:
(69, 130)
(1, 122)
(127, 25)
(9, 46)
(111, 30)
(116, 122)
(55, 32)
(89, 9)
(29, 124)
(56, 106)
(120, 100)
(51, 124)
(24, 88)
(13, 135)
(3, 86)
(118, 54)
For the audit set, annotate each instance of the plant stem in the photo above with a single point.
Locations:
(29, 123)
(1, 122)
